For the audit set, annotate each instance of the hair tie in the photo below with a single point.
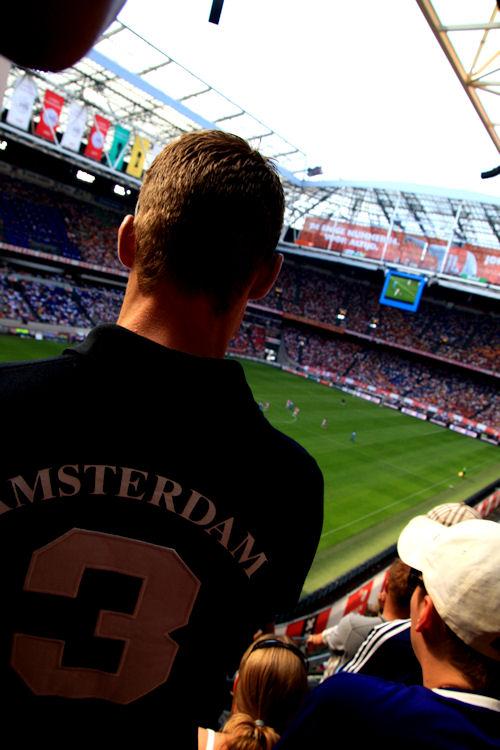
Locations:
(259, 723)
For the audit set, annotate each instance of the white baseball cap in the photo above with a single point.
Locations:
(460, 567)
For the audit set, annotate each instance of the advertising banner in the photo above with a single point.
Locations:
(49, 116)
(413, 413)
(75, 126)
(429, 253)
(463, 431)
(117, 150)
(97, 136)
(136, 162)
(21, 103)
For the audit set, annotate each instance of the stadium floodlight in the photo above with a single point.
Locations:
(85, 176)
(119, 190)
(3, 145)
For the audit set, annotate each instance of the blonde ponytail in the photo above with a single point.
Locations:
(246, 733)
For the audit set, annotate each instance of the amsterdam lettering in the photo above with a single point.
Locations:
(73, 480)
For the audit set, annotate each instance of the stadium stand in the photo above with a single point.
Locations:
(355, 346)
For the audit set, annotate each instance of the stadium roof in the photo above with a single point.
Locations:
(469, 35)
(126, 78)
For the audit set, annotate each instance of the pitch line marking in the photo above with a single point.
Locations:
(384, 507)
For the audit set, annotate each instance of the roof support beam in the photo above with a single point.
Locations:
(471, 27)
(434, 22)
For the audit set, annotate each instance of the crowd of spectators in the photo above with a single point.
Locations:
(32, 216)
(53, 304)
(37, 217)
(44, 219)
(430, 383)
(94, 233)
(13, 305)
(101, 304)
(26, 299)
(462, 335)
(249, 340)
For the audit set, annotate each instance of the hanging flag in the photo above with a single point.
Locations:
(49, 117)
(117, 150)
(21, 103)
(97, 136)
(77, 121)
(136, 162)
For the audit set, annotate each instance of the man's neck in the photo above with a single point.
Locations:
(391, 612)
(440, 674)
(179, 321)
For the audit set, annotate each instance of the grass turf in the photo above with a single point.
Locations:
(397, 467)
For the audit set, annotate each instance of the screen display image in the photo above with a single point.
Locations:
(402, 290)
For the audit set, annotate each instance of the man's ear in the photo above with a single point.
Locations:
(426, 615)
(126, 242)
(266, 276)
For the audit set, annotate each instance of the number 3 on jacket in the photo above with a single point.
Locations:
(165, 602)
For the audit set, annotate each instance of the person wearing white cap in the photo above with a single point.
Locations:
(455, 632)
(387, 652)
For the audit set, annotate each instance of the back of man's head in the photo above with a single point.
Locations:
(210, 212)
(460, 568)
(397, 597)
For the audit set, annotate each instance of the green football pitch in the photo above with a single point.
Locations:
(397, 467)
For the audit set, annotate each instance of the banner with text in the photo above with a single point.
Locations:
(429, 253)
(49, 116)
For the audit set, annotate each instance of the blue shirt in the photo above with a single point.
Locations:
(375, 713)
(387, 653)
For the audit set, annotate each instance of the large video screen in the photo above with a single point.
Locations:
(402, 290)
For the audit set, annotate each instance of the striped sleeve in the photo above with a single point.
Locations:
(375, 640)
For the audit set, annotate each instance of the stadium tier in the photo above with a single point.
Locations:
(321, 317)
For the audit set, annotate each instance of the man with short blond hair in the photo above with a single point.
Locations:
(142, 543)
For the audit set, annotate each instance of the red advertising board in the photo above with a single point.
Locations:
(358, 601)
(49, 117)
(430, 253)
(97, 136)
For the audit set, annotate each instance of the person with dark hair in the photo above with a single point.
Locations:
(455, 633)
(268, 691)
(387, 650)
(123, 514)
(344, 638)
